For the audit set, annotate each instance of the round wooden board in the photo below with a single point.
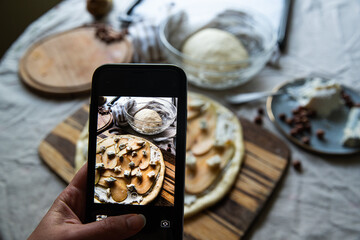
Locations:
(64, 63)
(104, 121)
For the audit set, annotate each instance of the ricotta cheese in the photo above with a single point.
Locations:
(321, 96)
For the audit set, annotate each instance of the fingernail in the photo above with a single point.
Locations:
(136, 222)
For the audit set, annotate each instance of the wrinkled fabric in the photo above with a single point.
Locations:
(321, 203)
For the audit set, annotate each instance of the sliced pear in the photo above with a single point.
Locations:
(198, 180)
(135, 144)
(97, 176)
(144, 183)
(118, 190)
(202, 147)
(110, 163)
(107, 142)
(98, 158)
(139, 157)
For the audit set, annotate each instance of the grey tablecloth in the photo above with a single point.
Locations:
(321, 203)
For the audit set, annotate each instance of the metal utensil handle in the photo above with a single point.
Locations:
(247, 97)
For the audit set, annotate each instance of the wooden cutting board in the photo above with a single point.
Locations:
(63, 64)
(264, 165)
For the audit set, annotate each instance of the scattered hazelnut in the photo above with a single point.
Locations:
(260, 111)
(282, 117)
(294, 132)
(289, 121)
(320, 134)
(297, 165)
(306, 140)
(258, 120)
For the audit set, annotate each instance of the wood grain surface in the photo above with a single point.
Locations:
(63, 64)
(264, 165)
(104, 121)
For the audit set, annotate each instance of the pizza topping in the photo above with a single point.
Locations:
(111, 154)
(119, 191)
(153, 162)
(189, 199)
(108, 192)
(131, 187)
(191, 161)
(110, 180)
(224, 130)
(203, 125)
(99, 166)
(131, 164)
(141, 143)
(196, 104)
(97, 176)
(151, 174)
(102, 149)
(138, 173)
(117, 169)
(214, 162)
(127, 173)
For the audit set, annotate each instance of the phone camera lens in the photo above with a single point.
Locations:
(165, 223)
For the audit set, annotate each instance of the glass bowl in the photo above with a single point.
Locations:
(253, 30)
(145, 123)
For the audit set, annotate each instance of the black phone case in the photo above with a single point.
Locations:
(145, 80)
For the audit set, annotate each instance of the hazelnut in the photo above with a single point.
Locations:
(320, 134)
(297, 165)
(282, 117)
(306, 140)
(258, 120)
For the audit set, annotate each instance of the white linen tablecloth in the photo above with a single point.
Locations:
(321, 203)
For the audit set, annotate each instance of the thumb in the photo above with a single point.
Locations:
(116, 227)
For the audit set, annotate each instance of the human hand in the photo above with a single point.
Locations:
(63, 220)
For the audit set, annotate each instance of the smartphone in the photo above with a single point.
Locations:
(136, 161)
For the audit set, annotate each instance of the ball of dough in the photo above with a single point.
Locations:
(152, 118)
(214, 45)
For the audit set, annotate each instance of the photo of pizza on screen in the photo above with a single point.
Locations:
(135, 157)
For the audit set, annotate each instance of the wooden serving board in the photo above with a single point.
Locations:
(63, 64)
(264, 165)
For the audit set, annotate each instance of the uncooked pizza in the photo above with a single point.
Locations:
(128, 170)
(214, 150)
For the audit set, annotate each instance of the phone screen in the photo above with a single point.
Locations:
(135, 159)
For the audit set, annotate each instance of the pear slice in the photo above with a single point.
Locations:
(139, 157)
(118, 190)
(110, 162)
(97, 176)
(198, 180)
(144, 183)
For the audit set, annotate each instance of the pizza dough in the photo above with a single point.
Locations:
(214, 45)
(147, 119)
(214, 152)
